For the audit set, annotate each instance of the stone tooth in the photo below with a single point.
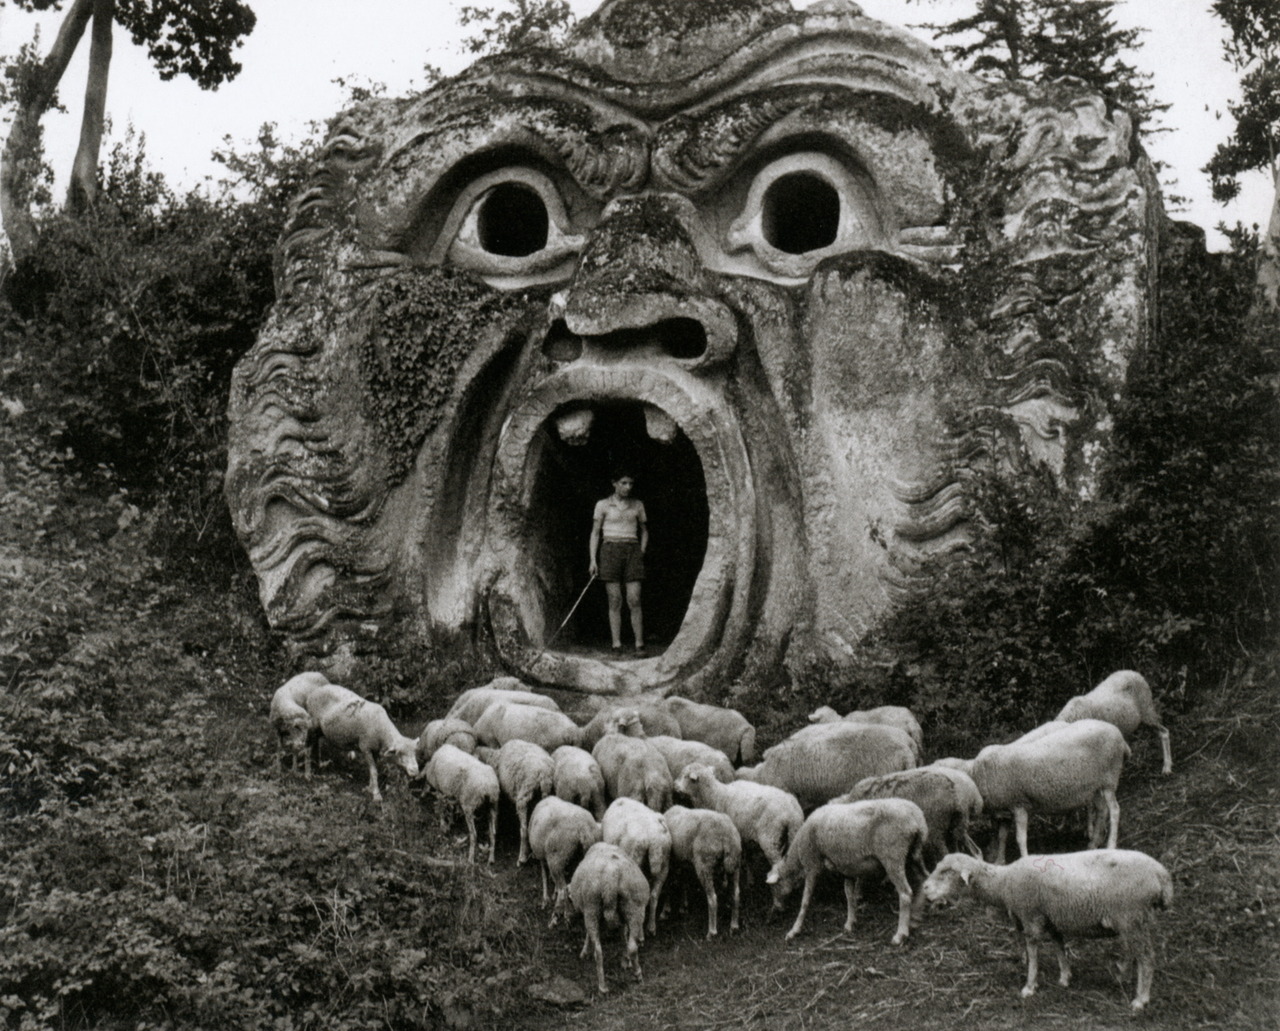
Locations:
(575, 427)
(659, 425)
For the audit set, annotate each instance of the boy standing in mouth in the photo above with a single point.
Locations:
(619, 536)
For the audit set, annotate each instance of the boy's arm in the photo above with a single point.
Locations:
(644, 529)
(593, 543)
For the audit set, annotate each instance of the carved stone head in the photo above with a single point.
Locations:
(799, 276)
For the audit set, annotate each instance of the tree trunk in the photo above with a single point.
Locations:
(1269, 255)
(20, 160)
(82, 193)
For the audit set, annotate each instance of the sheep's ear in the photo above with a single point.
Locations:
(772, 877)
(966, 875)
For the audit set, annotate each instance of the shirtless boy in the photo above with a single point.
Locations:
(619, 536)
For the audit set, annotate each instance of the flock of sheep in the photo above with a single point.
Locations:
(872, 810)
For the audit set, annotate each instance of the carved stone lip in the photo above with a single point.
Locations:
(716, 617)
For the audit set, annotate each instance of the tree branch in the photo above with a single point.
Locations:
(82, 192)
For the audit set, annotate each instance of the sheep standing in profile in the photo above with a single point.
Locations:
(882, 715)
(724, 729)
(526, 772)
(820, 762)
(709, 842)
(948, 798)
(350, 722)
(609, 886)
(472, 703)
(511, 721)
(460, 776)
(294, 725)
(761, 813)
(1123, 699)
(579, 779)
(643, 835)
(559, 831)
(856, 840)
(1076, 766)
(1092, 894)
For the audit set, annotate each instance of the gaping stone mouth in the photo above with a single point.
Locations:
(557, 453)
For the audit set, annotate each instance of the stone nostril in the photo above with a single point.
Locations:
(560, 345)
(683, 338)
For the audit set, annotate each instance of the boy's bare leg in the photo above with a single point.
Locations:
(637, 615)
(614, 591)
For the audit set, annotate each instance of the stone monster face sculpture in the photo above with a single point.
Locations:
(793, 271)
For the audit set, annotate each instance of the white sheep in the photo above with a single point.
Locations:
(1098, 893)
(350, 722)
(882, 715)
(525, 772)
(579, 779)
(460, 776)
(708, 841)
(511, 721)
(447, 731)
(632, 767)
(766, 815)
(471, 704)
(1076, 766)
(725, 729)
(295, 727)
(607, 885)
(856, 840)
(558, 831)
(679, 753)
(820, 762)
(948, 798)
(1123, 699)
(642, 834)
(655, 718)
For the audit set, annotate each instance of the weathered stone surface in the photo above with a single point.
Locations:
(803, 276)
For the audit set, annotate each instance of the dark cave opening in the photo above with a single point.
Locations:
(571, 478)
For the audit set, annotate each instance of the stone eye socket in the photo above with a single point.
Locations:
(800, 212)
(512, 227)
(512, 220)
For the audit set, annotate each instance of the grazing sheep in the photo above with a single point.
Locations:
(818, 763)
(525, 771)
(1123, 699)
(579, 779)
(445, 731)
(350, 722)
(460, 776)
(948, 799)
(883, 715)
(766, 815)
(295, 727)
(1076, 766)
(608, 885)
(632, 767)
(471, 704)
(708, 841)
(511, 721)
(856, 840)
(642, 834)
(679, 753)
(721, 728)
(558, 831)
(655, 719)
(1092, 894)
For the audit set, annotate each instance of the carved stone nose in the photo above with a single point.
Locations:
(640, 285)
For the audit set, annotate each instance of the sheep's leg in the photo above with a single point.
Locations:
(546, 895)
(493, 830)
(1002, 840)
(733, 913)
(1059, 946)
(591, 918)
(522, 810)
(805, 899)
(1165, 749)
(906, 901)
(1146, 969)
(1113, 812)
(707, 878)
(851, 888)
(470, 817)
(659, 879)
(373, 777)
(633, 931)
(1020, 829)
(1033, 963)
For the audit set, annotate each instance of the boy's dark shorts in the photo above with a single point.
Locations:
(621, 562)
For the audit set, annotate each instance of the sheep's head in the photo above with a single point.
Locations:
(405, 754)
(782, 880)
(690, 779)
(950, 878)
(294, 733)
(823, 714)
